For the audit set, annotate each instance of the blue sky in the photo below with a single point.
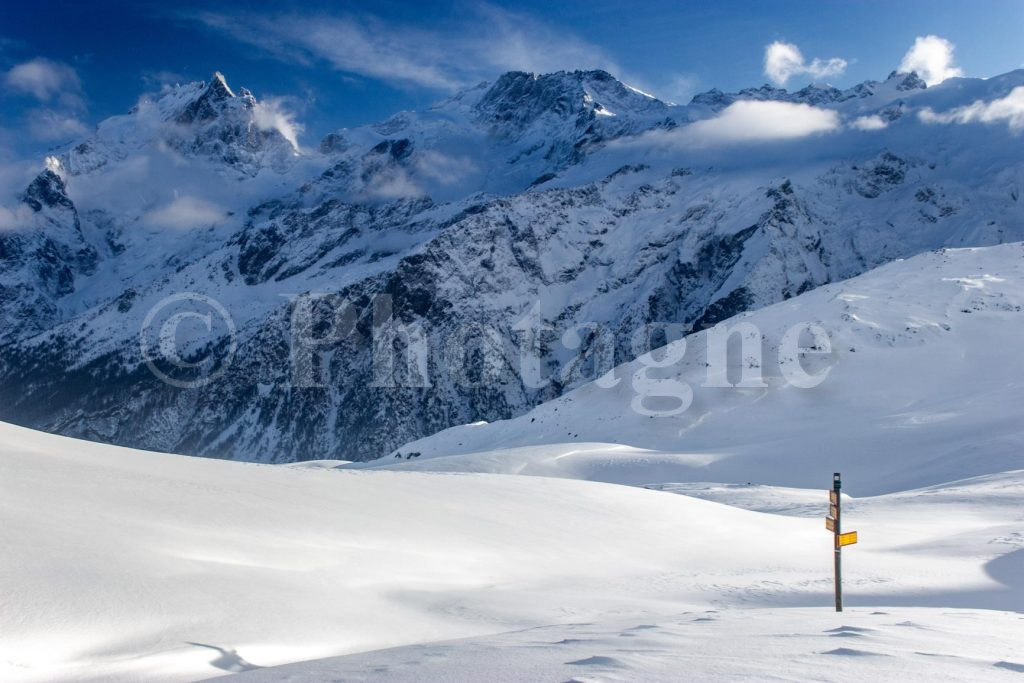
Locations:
(66, 65)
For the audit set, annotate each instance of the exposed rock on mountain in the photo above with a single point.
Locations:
(563, 216)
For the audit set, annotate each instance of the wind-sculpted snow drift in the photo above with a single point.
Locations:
(490, 225)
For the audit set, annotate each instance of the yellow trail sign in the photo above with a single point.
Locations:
(830, 524)
(849, 538)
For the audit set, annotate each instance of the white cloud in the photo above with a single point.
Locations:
(17, 217)
(504, 41)
(872, 122)
(162, 79)
(754, 121)
(1009, 109)
(183, 213)
(15, 173)
(57, 86)
(743, 122)
(391, 183)
(782, 61)
(932, 58)
(43, 79)
(489, 41)
(442, 168)
(51, 125)
(271, 114)
(679, 88)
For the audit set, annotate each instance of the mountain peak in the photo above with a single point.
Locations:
(46, 190)
(210, 103)
(906, 81)
(218, 86)
(202, 118)
(520, 98)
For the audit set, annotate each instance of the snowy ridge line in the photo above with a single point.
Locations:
(467, 214)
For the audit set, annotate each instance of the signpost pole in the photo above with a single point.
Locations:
(836, 484)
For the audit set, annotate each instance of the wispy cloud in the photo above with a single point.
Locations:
(45, 80)
(442, 168)
(491, 40)
(678, 88)
(14, 217)
(869, 123)
(54, 125)
(160, 79)
(745, 122)
(273, 113)
(783, 61)
(57, 89)
(183, 213)
(15, 175)
(1009, 110)
(932, 58)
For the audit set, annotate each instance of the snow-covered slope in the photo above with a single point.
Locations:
(128, 565)
(567, 192)
(707, 645)
(121, 564)
(924, 381)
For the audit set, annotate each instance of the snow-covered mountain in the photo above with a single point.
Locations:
(923, 376)
(568, 194)
(200, 119)
(42, 261)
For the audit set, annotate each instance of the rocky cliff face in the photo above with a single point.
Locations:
(41, 263)
(549, 216)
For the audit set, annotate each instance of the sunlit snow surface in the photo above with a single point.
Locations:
(129, 565)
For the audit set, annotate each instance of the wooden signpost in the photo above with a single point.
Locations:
(832, 523)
